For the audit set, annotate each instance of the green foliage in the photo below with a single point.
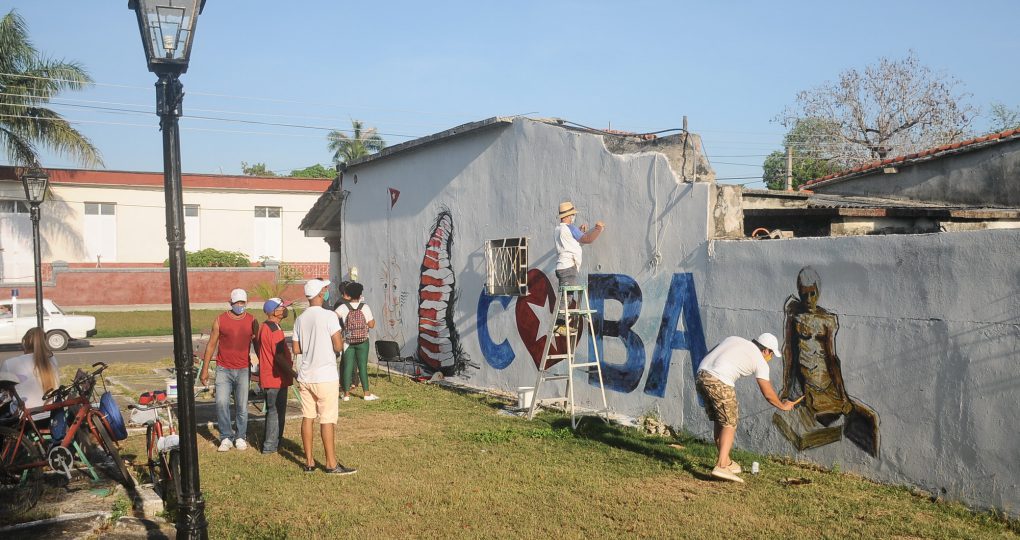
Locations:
(314, 171)
(256, 169)
(1004, 118)
(214, 258)
(504, 435)
(362, 142)
(811, 157)
(27, 82)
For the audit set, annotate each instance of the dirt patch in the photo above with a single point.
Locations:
(386, 425)
(677, 487)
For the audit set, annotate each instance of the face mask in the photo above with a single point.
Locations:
(237, 309)
(325, 297)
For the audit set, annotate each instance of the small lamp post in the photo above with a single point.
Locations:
(35, 182)
(168, 28)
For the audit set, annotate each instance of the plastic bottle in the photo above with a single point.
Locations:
(754, 468)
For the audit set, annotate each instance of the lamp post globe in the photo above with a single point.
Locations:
(167, 28)
(35, 182)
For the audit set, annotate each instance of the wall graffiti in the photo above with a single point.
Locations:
(394, 297)
(534, 312)
(438, 341)
(812, 368)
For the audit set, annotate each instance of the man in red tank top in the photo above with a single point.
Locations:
(231, 339)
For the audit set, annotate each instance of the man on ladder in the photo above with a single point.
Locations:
(568, 323)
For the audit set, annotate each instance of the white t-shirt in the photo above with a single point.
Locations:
(29, 386)
(733, 358)
(314, 330)
(568, 249)
(342, 311)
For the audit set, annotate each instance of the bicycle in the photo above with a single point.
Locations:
(23, 442)
(162, 446)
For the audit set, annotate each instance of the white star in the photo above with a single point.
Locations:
(544, 317)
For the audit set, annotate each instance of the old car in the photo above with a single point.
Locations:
(17, 315)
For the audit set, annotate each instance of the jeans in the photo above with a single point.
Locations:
(276, 416)
(232, 383)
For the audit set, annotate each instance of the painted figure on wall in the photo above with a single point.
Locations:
(811, 368)
(393, 301)
(439, 344)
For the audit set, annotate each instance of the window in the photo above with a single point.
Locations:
(16, 260)
(506, 267)
(13, 207)
(101, 231)
(192, 230)
(268, 233)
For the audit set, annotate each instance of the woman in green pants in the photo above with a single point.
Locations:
(356, 318)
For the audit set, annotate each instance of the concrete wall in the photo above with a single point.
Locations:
(928, 325)
(989, 176)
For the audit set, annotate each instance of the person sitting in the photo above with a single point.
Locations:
(5, 312)
(36, 370)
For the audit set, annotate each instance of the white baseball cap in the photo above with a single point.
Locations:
(315, 286)
(238, 295)
(769, 341)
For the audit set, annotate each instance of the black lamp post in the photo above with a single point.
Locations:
(35, 182)
(168, 28)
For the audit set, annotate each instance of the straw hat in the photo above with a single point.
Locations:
(567, 209)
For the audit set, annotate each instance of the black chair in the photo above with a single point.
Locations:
(389, 352)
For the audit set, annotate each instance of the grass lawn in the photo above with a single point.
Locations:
(435, 463)
(158, 323)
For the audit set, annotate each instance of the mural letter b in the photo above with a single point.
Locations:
(622, 288)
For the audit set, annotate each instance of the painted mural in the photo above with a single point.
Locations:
(811, 368)
(533, 313)
(394, 297)
(439, 345)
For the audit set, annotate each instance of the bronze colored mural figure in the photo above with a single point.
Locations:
(811, 368)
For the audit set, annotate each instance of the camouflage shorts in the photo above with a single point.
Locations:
(720, 399)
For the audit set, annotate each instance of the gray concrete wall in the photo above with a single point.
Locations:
(990, 176)
(928, 325)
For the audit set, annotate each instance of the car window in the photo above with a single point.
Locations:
(57, 310)
(26, 309)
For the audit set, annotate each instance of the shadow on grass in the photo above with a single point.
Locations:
(632, 440)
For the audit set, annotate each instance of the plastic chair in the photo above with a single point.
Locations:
(389, 352)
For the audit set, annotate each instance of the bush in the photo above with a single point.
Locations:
(214, 258)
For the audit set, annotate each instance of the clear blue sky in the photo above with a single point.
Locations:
(412, 68)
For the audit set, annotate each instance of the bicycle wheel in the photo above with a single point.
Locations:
(111, 449)
(20, 488)
(173, 461)
(153, 457)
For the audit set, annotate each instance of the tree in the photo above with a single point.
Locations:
(27, 82)
(361, 143)
(314, 171)
(256, 169)
(892, 108)
(810, 160)
(1004, 118)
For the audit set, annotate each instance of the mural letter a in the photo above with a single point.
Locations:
(622, 378)
(681, 300)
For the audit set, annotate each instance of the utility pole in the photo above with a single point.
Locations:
(789, 168)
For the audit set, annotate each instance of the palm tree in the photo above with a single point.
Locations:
(28, 81)
(360, 144)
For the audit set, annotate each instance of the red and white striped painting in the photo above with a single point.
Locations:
(438, 340)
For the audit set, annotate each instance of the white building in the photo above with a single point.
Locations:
(105, 217)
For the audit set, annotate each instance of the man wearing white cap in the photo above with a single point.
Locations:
(318, 338)
(231, 338)
(731, 359)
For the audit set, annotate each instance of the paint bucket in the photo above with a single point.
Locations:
(171, 388)
(524, 396)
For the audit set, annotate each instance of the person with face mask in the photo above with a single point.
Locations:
(231, 339)
(276, 371)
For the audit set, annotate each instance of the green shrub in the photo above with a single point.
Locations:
(210, 258)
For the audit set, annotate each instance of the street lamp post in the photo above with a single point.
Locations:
(167, 28)
(35, 182)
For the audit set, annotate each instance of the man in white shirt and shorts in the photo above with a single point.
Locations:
(317, 338)
(731, 359)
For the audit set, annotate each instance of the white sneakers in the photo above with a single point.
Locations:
(347, 397)
(734, 467)
(371, 397)
(724, 473)
(226, 445)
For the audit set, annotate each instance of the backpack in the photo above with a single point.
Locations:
(355, 327)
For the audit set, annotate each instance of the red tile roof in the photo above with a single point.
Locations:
(189, 181)
(931, 153)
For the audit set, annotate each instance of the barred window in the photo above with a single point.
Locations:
(506, 261)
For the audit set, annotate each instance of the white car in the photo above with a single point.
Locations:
(18, 315)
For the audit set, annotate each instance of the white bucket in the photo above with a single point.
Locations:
(524, 396)
(171, 388)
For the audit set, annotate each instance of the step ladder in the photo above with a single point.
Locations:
(566, 314)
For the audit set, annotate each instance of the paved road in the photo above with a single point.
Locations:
(113, 351)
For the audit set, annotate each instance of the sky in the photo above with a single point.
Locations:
(412, 68)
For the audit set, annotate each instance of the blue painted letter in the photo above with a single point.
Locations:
(496, 355)
(623, 289)
(682, 299)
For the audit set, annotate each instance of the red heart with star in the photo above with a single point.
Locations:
(534, 312)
